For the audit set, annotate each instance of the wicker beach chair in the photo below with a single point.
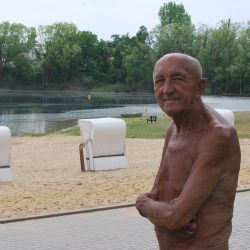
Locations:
(103, 146)
(227, 114)
(5, 142)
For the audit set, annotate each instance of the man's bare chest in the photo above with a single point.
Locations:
(180, 153)
(177, 162)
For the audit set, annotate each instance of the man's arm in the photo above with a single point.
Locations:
(208, 170)
(184, 232)
(154, 190)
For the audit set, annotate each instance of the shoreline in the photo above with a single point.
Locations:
(111, 92)
(48, 178)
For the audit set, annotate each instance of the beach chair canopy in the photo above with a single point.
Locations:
(227, 114)
(104, 143)
(5, 143)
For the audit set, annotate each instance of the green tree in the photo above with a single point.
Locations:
(143, 35)
(119, 44)
(88, 43)
(139, 61)
(16, 41)
(218, 56)
(59, 52)
(175, 33)
(244, 60)
(239, 70)
(171, 13)
(94, 58)
(173, 38)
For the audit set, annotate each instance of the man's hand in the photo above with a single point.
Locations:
(141, 204)
(141, 201)
(187, 231)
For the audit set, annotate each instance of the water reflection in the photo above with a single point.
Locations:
(26, 112)
(232, 103)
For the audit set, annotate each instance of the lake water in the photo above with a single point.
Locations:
(26, 112)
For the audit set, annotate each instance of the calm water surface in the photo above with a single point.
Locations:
(26, 112)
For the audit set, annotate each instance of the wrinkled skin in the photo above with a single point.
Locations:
(191, 201)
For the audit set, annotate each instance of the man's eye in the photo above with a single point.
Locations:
(159, 80)
(178, 78)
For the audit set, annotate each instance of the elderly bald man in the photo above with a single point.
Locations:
(191, 202)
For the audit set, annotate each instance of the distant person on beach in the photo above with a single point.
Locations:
(191, 202)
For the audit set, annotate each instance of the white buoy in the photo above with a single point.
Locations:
(5, 165)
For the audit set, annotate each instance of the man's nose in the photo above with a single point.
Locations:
(168, 86)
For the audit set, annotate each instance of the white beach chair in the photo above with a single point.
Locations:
(227, 114)
(103, 146)
(5, 142)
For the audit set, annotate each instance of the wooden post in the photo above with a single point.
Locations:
(81, 157)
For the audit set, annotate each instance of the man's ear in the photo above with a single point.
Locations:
(201, 86)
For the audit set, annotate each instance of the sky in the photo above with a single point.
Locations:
(107, 17)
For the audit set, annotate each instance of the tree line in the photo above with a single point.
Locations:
(59, 56)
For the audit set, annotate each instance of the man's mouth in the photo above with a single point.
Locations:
(171, 99)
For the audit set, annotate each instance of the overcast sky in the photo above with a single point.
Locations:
(107, 17)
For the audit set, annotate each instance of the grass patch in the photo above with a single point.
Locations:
(104, 87)
(242, 124)
(73, 131)
(137, 127)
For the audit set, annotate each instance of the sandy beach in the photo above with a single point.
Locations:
(48, 178)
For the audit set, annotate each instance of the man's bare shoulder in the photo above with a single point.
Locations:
(221, 131)
(220, 144)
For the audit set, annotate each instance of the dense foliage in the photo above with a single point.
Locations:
(59, 56)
